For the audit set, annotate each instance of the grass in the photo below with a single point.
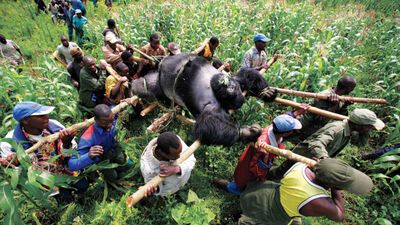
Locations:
(322, 40)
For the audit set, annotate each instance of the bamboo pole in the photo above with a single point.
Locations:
(140, 193)
(155, 126)
(79, 126)
(113, 72)
(312, 109)
(145, 55)
(55, 55)
(287, 154)
(201, 47)
(148, 108)
(185, 120)
(305, 94)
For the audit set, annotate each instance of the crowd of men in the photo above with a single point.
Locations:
(269, 194)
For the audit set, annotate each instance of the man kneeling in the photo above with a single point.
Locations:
(157, 159)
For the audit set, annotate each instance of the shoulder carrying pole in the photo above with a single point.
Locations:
(140, 193)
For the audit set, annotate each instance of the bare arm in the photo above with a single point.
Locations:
(331, 208)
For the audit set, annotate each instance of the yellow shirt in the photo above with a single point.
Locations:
(111, 81)
(296, 190)
(207, 52)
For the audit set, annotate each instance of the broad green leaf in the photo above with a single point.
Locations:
(388, 158)
(46, 179)
(382, 221)
(178, 213)
(192, 197)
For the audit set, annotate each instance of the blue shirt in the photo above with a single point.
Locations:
(79, 22)
(94, 135)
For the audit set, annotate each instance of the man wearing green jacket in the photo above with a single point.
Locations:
(92, 83)
(333, 137)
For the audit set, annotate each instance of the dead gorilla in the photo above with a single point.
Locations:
(194, 83)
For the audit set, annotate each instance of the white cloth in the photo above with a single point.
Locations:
(272, 138)
(150, 167)
(6, 148)
(64, 51)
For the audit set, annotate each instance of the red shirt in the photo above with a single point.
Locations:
(247, 169)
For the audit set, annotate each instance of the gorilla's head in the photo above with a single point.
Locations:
(250, 80)
(227, 91)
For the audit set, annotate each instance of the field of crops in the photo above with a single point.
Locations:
(321, 41)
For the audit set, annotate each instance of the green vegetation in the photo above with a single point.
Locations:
(321, 40)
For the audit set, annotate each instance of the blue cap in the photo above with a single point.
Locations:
(261, 37)
(26, 109)
(286, 123)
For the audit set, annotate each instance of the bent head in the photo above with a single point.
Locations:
(122, 69)
(111, 23)
(90, 64)
(3, 39)
(64, 41)
(154, 41)
(345, 85)
(103, 116)
(213, 43)
(169, 147)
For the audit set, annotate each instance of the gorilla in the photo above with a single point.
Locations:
(192, 82)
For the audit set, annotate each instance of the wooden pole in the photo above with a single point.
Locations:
(113, 72)
(140, 193)
(145, 55)
(155, 126)
(185, 120)
(287, 154)
(305, 94)
(201, 47)
(79, 126)
(149, 108)
(312, 109)
(55, 55)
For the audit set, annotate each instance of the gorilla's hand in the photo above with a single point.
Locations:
(250, 133)
(268, 94)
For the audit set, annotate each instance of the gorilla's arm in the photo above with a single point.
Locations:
(214, 127)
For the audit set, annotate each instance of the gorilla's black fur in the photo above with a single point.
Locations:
(193, 82)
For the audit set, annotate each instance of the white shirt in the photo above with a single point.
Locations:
(64, 51)
(150, 167)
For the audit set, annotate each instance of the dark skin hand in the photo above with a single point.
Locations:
(66, 137)
(95, 151)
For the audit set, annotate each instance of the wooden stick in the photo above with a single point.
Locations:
(221, 68)
(185, 120)
(112, 71)
(287, 154)
(155, 126)
(269, 63)
(201, 47)
(140, 193)
(79, 126)
(325, 97)
(55, 55)
(312, 109)
(148, 108)
(145, 55)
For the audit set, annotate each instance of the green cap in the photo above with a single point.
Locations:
(338, 174)
(366, 117)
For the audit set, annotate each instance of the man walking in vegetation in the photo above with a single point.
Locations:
(63, 50)
(112, 51)
(74, 68)
(116, 88)
(10, 52)
(92, 81)
(153, 48)
(98, 143)
(156, 160)
(79, 22)
(333, 137)
(312, 122)
(303, 192)
(256, 57)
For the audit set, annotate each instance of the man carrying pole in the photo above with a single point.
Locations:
(312, 122)
(333, 137)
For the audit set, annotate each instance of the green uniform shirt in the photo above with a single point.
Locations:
(312, 122)
(329, 140)
(92, 85)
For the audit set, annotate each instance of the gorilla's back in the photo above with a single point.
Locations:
(191, 76)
